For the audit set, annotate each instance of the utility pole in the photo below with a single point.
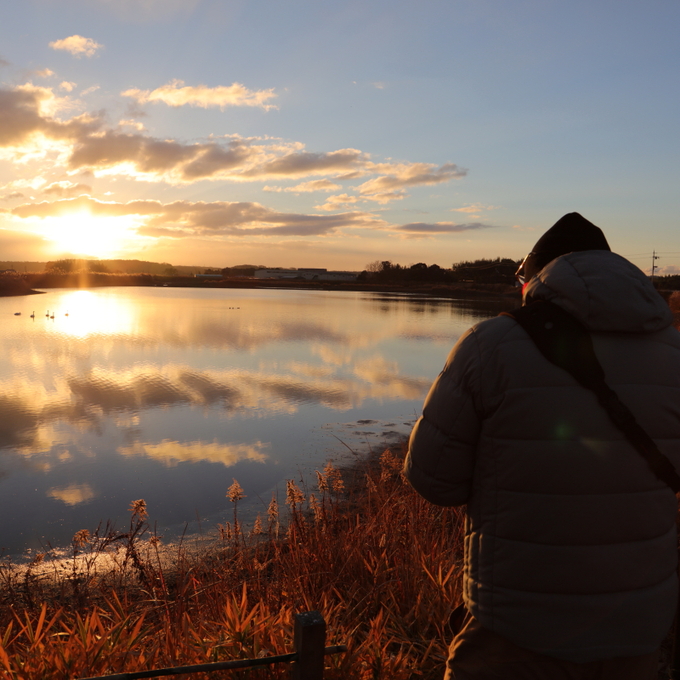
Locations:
(655, 257)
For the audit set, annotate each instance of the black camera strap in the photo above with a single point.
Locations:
(565, 342)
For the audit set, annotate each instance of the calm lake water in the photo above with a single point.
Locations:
(168, 394)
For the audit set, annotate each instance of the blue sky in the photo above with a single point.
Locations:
(334, 134)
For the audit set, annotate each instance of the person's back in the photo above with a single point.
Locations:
(570, 538)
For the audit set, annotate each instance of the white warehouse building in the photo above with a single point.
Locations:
(312, 274)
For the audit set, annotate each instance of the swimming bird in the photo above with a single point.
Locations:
(33, 315)
(47, 316)
(17, 313)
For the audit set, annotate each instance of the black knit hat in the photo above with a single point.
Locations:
(569, 234)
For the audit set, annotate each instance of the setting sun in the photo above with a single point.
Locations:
(84, 234)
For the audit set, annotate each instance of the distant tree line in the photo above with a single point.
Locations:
(500, 270)
(72, 265)
(668, 282)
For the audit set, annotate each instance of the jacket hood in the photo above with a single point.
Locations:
(603, 290)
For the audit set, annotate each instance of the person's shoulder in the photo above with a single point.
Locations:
(484, 338)
(494, 329)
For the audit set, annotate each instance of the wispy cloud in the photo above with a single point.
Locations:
(401, 175)
(474, 208)
(424, 229)
(301, 163)
(44, 73)
(175, 93)
(66, 85)
(182, 219)
(338, 202)
(66, 188)
(132, 123)
(306, 187)
(314, 185)
(83, 143)
(77, 45)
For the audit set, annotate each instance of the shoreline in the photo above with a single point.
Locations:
(32, 281)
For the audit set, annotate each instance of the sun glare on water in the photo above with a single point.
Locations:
(91, 313)
(85, 234)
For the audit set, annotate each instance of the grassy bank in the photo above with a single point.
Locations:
(11, 285)
(380, 563)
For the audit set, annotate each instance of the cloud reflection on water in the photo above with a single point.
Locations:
(167, 393)
(72, 494)
(84, 400)
(170, 453)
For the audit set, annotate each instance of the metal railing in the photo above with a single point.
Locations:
(309, 640)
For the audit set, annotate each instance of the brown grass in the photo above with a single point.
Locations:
(379, 562)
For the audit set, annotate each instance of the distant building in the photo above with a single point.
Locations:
(309, 274)
(215, 277)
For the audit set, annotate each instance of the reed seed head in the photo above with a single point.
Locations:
(138, 509)
(235, 492)
(334, 477)
(322, 482)
(293, 494)
(81, 538)
(273, 510)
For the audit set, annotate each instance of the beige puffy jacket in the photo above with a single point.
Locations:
(570, 546)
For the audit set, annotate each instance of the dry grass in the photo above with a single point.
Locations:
(379, 562)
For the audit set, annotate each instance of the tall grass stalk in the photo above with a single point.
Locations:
(380, 563)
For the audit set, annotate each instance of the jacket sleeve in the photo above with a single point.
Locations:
(441, 455)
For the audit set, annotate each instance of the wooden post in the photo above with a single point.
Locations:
(310, 642)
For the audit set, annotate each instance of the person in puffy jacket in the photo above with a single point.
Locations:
(570, 539)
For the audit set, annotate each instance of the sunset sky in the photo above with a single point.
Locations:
(312, 133)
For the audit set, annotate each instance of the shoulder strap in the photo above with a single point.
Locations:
(565, 342)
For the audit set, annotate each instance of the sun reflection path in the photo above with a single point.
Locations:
(84, 313)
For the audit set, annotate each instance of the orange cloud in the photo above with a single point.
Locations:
(66, 188)
(77, 45)
(26, 114)
(175, 93)
(300, 163)
(423, 229)
(337, 202)
(154, 159)
(182, 219)
(401, 175)
(31, 129)
(314, 185)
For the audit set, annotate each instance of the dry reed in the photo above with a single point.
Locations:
(380, 563)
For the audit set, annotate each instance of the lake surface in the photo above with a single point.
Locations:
(168, 394)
